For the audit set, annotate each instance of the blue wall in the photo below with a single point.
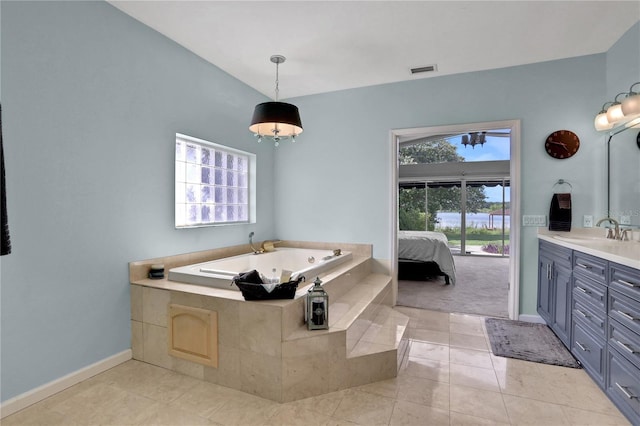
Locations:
(345, 190)
(91, 103)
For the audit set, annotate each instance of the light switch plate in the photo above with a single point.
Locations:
(587, 221)
(625, 220)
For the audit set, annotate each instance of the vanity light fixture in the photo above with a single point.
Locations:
(276, 120)
(620, 114)
(631, 104)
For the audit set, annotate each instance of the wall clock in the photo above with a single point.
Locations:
(562, 144)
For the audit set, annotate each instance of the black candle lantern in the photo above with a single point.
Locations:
(317, 307)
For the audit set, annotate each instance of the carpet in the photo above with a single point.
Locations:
(527, 341)
(482, 288)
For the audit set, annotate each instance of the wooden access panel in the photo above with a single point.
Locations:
(193, 334)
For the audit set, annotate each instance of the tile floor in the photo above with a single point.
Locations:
(449, 378)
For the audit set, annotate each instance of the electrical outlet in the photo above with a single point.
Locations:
(587, 221)
(625, 220)
(534, 220)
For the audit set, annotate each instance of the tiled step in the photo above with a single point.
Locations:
(387, 332)
(379, 353)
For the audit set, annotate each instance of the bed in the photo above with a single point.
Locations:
(424, 255)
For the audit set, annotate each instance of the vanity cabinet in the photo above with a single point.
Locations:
(554, 288)
(623, 361)
(589, 314)
(603, 318)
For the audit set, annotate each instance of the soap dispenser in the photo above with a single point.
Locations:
(317, 307)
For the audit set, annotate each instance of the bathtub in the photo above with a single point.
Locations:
(219, 273)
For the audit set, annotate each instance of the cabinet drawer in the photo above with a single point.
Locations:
(625, 341)
(623, 386)
(586, 314)
(625, 280)
(590, 266)
(592, 291)
(590, 352)
(624, 310)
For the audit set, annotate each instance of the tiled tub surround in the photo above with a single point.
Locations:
(264, 347)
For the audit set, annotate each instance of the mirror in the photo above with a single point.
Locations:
(624, 177)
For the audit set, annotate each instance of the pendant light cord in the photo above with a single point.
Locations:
(277, 80)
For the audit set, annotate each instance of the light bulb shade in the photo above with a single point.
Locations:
(631, 105)
(276, 119)
(614, 113)
(601, 123)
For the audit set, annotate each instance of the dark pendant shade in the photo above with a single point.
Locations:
(276, 119)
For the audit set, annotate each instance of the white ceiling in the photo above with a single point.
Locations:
(335, 45)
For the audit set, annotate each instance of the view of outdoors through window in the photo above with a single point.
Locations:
(436, 204)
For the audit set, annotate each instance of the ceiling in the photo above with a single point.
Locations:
(336, 45)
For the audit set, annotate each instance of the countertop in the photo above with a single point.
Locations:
(591, 241)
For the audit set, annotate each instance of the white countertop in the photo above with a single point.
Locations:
(592, 241)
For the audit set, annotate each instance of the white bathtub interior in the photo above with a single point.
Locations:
(219, 273)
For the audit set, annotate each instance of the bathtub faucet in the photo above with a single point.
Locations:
(255, 251)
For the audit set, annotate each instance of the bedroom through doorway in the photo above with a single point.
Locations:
(454, 193)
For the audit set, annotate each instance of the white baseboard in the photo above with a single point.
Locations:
(28, 398)
(532, 318)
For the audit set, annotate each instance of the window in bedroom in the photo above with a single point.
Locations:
(214, 184)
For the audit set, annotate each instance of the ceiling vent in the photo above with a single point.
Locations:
(428, 68)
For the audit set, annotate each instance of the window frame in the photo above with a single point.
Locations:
(180, 186)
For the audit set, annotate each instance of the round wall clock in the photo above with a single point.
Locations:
(562, 144)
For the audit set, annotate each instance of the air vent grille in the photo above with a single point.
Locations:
(428, 68)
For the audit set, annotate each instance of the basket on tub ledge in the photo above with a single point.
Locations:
(252, 287)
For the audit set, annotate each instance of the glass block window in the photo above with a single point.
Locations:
(213, 184)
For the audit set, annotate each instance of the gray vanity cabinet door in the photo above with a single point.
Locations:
(545, 299)
(561, 324)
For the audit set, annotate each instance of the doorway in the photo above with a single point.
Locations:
(465, 180)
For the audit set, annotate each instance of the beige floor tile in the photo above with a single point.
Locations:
(475, 377)
(468, 341)
(172, 416)
(205, 399)
(460, 419)
(470, 357)
(364, 408)
(293, 416)
(471, 328)
(524, 411)
(478, 403)
(429, 351)
(249, 410)
(426, 369)
(323, 404)
(150, 381)
(423, 391)
(511, 365)
(449, 377)
(574, 388)
(579, 417)
(386, 388)
(466, 319)
(409, 413)
(429, 336)
(37, 414)
(526, 384)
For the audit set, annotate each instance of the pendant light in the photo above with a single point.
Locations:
(276, 120)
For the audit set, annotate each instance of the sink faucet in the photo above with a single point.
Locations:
(255, 251)
(615, 235)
